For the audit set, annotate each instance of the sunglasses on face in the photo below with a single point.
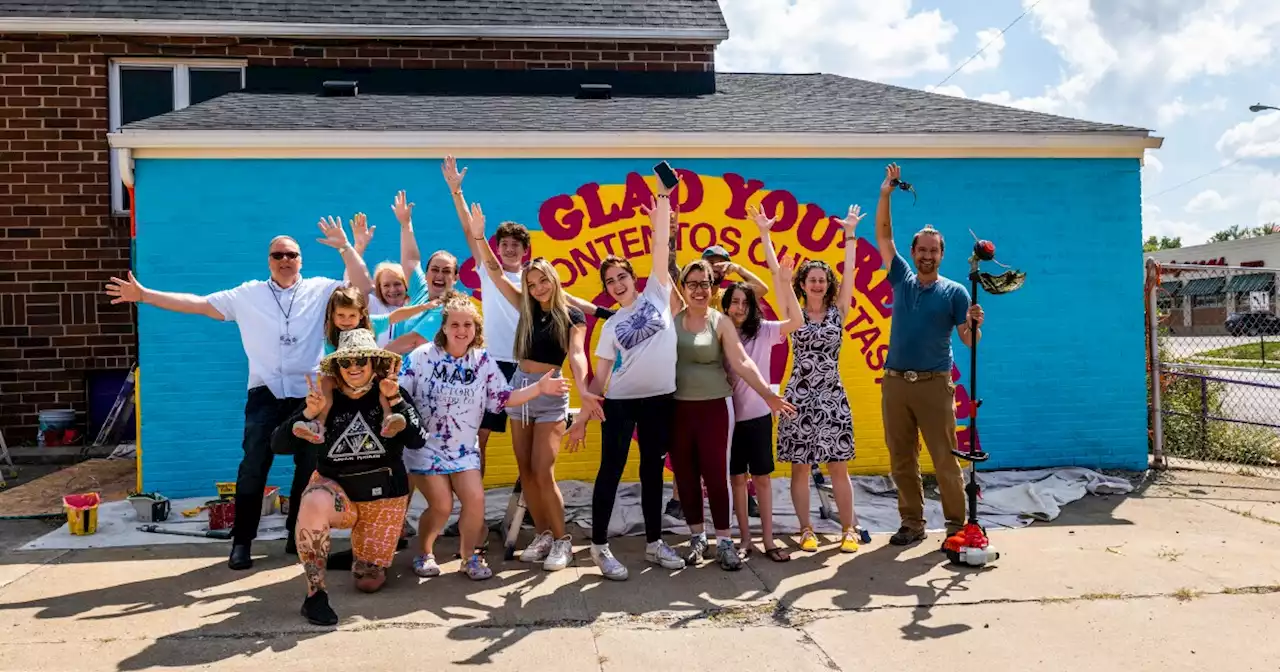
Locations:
(348, 362)
(284, 255)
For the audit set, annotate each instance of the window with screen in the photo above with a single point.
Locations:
(145, 88)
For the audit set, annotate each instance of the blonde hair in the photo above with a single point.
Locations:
(559, 310)
(388, 267)
(459, 303)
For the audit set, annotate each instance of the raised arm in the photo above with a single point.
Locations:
(742, 365)
(405, 312)
(850, 224)
(790, 305)
(758, 285)
(884, 220)
(336, 237)
(361, 236)
(453, 178)
(132, 291)
(660, 219)
(485, 257)
(410, 257)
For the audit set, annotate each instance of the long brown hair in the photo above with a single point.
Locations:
(559, 310)
(345, 297)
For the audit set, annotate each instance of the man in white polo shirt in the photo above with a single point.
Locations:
(281, 324)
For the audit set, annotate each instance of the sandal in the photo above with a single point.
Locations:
(392, 425)
(309, 430)
(476, 568)
(777, 554)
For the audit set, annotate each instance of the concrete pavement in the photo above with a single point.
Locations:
(1174, 577)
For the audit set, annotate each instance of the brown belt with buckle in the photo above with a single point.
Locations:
(917, 376)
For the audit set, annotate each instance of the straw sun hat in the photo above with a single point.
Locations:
(356, 343)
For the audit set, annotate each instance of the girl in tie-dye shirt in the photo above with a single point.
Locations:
(452, 381)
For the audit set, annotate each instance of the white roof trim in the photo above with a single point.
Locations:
(311, 140)
(263, 29)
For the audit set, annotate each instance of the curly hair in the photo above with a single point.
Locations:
(459, 303)
(797, 282)
(514, 231)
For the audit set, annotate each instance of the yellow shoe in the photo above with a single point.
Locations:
(850, 543)
(808, 541)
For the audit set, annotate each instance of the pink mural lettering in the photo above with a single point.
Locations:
(807, 231)
(731, 239)
(689, 193)
(701, 236)
(555, 226)
(782, 206)
(596, 215)
(638, 194)
(740, 191)
(632, 245)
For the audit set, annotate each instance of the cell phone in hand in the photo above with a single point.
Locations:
(667, 175)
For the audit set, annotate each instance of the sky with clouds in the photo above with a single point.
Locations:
(1187, 69)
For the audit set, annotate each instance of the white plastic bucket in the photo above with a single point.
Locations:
(55, 420)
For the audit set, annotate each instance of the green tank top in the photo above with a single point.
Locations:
(700, 372)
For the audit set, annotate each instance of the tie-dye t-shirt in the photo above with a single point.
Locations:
(643, 338)
(452, 395)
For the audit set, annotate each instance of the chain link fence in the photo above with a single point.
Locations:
(1214, 344)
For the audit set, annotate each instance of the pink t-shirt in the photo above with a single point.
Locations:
(747, 404)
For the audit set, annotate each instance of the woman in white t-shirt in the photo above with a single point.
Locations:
(453, 381)
(640, 394)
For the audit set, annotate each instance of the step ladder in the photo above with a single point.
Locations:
(121, 412)
(8, 460)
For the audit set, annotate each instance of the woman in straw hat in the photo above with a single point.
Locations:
(360, 482)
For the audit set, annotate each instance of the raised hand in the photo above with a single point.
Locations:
(765, 224)
(786, 271)
(552, 386)
(316, 403)
(850, 222)
(125, 291)
(389, 386)
(780, 406)
(402, 208)
(334, 235)
(477, 221)
(891, 172)
(361, 232)
(662, 188)
(451, 175)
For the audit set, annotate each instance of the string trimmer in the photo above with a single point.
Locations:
(970, 546)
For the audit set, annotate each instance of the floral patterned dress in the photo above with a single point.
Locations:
(822, 429)
(452, 395)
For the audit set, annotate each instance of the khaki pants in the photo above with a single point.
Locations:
(928, 408)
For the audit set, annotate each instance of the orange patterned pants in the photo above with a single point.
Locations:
(375, 526)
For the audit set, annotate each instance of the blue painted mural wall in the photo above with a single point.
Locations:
(1062, 360)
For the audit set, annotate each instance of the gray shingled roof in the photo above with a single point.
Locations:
(703, 14)
(743, 103)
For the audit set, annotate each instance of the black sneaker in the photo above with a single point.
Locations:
(906, 536)
(317, 611)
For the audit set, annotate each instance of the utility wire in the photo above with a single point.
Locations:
(1197, 177)
(989, 43)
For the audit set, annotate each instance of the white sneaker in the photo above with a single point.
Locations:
(659, 553)
(560, 556)
(538, 549)
(609, 565)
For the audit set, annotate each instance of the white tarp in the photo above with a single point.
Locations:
(1010, 499)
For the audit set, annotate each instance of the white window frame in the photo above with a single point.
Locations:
(181, 69)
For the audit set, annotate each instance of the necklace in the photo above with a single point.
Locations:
(357, 392)
(286, 338)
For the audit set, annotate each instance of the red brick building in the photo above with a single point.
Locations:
(73, 71)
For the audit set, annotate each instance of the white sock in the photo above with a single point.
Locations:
(724, 540)
(653, 545)
(599, 547)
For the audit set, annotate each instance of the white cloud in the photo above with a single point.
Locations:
(1047, 103)
(946, 90)
(1149, 160)
(1175, 109)
(989, 59)
(1268, 212)
(1206, 201)
(868, 39)
(1254, 139)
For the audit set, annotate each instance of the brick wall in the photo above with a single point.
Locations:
(59, 243)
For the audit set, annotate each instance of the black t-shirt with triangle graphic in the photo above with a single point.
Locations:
(353, 442)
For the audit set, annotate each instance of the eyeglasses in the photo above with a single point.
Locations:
(284, 255)
(698, 284)
(348, 362)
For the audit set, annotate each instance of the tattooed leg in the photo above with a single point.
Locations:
(369, 577)
(313, 551)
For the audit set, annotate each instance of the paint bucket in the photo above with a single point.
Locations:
(226, 489)
(270, 498)
(222, 514)
(56, 427)
(82, 512)
(150, 507)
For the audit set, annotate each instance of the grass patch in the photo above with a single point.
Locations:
(1261, 350)
(1186, 594)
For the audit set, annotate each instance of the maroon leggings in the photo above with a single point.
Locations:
(700, 454)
